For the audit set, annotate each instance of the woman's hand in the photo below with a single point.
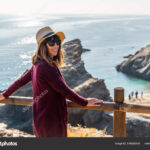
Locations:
(94, 102)
(1, 97)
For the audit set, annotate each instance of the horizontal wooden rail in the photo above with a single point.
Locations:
(18, 100)
(106, 106)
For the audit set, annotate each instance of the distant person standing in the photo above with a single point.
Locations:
(132, 94)
(136, 94)
(129, 97)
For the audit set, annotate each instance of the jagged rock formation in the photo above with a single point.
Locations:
(137, 65)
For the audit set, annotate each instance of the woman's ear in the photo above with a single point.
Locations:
(47, 46)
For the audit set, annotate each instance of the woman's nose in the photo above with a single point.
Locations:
(56, 44)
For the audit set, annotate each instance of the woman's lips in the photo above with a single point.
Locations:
(55, 50)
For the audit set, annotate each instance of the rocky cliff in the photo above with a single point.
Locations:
(76, 76)
(137, 65)
(137, 125)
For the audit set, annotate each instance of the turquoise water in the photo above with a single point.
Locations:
(109, 38)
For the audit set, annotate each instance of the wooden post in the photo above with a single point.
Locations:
(119, 118)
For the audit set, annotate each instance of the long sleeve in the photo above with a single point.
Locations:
(23, 80)
(55, 80)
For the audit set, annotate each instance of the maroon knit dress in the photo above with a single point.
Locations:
(50, 115)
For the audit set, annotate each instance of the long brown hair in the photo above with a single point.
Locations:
(42, 54)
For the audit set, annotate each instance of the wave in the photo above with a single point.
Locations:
(25, 56)
(26, 40)
(68, 25)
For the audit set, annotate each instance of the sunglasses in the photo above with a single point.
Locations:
(53, 41)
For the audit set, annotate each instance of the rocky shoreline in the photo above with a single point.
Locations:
(137, 65)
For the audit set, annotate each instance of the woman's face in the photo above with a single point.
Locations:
(53, 46)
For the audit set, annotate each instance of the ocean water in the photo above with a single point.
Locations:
(109, 37)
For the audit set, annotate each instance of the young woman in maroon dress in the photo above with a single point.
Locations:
(50, 90)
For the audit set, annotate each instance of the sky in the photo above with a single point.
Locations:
(75, 7)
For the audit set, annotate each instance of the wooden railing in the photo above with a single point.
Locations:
(118, 107)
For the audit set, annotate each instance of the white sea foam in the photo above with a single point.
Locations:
(25, 56)
(26, 40)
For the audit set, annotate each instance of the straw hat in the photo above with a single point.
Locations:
(47, 32)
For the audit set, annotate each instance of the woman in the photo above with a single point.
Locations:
(49, 87)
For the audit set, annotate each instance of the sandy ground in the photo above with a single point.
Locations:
(142, 100)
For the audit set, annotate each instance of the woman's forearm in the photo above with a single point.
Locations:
(23, 80)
